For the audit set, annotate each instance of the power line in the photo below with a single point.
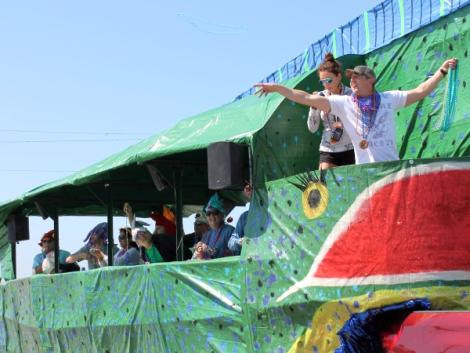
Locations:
(56, 141)
(73, 132)
(35, 171)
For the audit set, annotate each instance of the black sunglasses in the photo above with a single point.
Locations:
(214, 213)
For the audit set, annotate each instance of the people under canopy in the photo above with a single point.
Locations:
(214, 243)
(163, 237)
(95, 251)
(45, 260)
(236, 240)
(129, 254)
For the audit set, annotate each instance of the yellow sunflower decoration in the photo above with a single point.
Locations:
(314, 199)
(315, 194)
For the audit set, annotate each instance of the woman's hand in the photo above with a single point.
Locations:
(77, 257)
(449, 64)
(97, 253)
(200, 250)
(127, 209)
(265, 88)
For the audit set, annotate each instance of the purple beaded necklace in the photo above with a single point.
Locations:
(366, 112)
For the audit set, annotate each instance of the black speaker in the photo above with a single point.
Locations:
(227, 166)
(18, 228)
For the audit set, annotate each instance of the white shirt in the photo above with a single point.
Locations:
(381, 138)
(313, 123)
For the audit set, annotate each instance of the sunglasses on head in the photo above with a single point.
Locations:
(326, 80)
(357, 74)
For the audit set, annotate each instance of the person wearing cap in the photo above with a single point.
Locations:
(95, 250)
(46, 256)
(164, 221)
(201, 226)
(129, 255)
(367, 115)
(214, 242)
(236, 240)
(336, 148)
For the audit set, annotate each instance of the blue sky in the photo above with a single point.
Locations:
(80, 80)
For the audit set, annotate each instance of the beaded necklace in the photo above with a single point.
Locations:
(366, 110)
(448, 113)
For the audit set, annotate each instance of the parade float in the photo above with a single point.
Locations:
(327, 253)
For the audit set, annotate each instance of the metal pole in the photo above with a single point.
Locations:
(250, 165)
(56, 241)
(13, 258)
(109, 202)
(177, 183)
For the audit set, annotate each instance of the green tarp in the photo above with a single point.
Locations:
(293, 288)
(235, 122)
(380, 233)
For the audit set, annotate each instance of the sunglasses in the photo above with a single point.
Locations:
(47, 241)
(326, 80)
(212, 213)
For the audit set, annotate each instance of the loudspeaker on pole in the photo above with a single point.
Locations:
(18, 228)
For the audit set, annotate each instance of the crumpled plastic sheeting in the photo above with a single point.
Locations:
(171, 307)
(361, 333)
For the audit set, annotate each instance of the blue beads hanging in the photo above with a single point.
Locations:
(450, 99)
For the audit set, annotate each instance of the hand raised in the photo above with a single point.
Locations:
(127, 209)
(265, 88)
(449, 64)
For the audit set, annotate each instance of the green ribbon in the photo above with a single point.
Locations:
(366, 30)
(401, 6)
(334, 43)
(279, 72)
(305, 68)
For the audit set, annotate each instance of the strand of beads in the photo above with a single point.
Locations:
(450, 99)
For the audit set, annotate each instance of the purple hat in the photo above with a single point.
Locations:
(101, 230)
